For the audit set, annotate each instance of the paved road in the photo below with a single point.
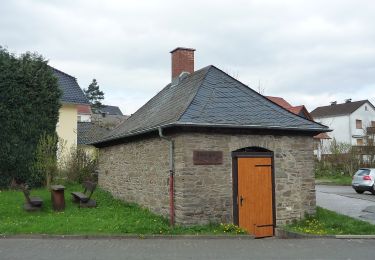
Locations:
(40, 249)
(344, 200)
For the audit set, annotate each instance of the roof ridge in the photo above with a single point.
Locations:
(63, 72)
(339, 109)
(264, 97)
(149, 101)
(345, 103)
(195, 94)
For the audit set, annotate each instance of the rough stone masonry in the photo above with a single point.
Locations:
(137, 171)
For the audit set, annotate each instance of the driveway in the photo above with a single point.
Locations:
(344, 200)
(77, 249)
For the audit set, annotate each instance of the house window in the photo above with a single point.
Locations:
(358, 124)
(359, 141)
(366, 108)
(372, 123)
(79, 119)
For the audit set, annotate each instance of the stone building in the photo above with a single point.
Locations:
(208, 148)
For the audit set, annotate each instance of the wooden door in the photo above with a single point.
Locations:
(255, 203)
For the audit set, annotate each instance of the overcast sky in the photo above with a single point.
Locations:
(309, 52)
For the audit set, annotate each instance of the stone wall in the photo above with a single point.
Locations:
(205, 192)
(137, 172)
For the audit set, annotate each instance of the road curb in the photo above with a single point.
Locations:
(279, 233)
(286, 234)
(355, 236)
(88, 237)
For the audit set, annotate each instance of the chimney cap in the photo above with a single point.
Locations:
(182, 49)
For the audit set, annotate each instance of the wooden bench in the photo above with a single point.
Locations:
(32, 203)
(84, 198)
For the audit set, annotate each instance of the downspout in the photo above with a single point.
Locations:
(171, 175)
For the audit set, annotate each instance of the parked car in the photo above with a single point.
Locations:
(364, 180)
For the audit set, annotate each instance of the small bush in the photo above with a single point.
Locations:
(231, 228)
(44, 168)
(80, 166)
(342, 160)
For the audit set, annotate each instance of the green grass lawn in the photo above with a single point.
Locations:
(111, 216)
(335, 180)
(326, 222)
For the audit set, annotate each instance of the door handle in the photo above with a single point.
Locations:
(241, 200)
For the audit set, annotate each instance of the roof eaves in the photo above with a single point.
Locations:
(73, 103)
(144, 131)
(332, 115)
(323, 129)
(130, 134)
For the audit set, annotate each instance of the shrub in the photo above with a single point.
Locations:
(81, 165)
(343, 160)
(45, 165)
(231, 228)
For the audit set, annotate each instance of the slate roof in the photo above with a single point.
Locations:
(111, 110)
(211, 98)
(71, 92)
(88, 132)
(338, 109)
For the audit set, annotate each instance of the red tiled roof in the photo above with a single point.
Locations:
(83, 109)
(280, 101)
(322, 136)
(298, 110)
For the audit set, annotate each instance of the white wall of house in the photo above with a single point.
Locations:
(366, 113)
(345, 128)
(340, 127)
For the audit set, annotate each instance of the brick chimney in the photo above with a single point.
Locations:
(182, 61)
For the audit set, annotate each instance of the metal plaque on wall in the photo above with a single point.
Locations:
(207, 157)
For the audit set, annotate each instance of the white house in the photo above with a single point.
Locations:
(348, 121)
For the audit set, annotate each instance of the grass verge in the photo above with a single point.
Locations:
(326, 222)
(111, 216)
(335, 180)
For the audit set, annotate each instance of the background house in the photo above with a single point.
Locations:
(320, 139)
(84, 113)
(72, 97)
(88, 133)
(108, 116)
(94, 124)
(207, 148)
(298, 110)
(349, 121)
